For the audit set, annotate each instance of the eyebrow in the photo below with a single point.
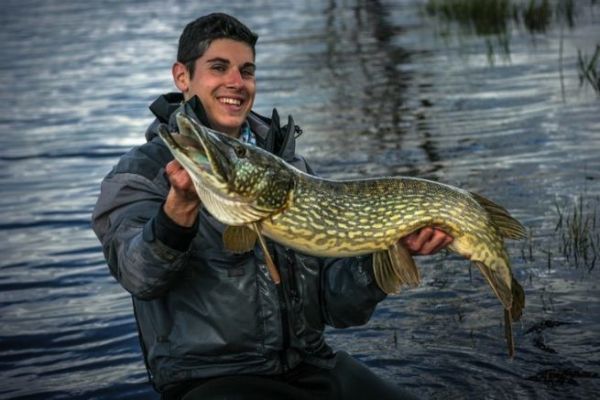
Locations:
(226, 61)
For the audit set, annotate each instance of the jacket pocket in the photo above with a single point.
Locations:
(307, 274)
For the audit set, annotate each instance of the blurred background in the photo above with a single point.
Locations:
(500, 97)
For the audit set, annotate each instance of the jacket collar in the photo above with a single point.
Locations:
(269, 133)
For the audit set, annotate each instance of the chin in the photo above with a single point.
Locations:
(232, 124)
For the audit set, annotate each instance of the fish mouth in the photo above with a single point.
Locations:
(202, 152)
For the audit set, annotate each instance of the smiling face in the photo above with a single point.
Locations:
(224, 81)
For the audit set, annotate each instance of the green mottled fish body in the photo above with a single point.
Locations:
(245, 186)
(347, 218)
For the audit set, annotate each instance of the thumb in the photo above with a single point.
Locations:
(178, 176)
(172, 167)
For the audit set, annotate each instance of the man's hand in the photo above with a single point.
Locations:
(182, 202)
(426, 241)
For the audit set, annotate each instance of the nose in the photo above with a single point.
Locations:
(234, 78)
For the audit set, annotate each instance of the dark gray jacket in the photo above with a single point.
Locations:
(201, 310)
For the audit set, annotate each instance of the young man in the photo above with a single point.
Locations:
(212, 323)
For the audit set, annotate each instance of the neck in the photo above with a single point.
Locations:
(233, 133)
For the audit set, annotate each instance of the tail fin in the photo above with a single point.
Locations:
(508, 226)
(518, 295)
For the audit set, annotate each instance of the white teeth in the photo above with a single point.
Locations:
(228, 100)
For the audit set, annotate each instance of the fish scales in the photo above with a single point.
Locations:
(351, 220)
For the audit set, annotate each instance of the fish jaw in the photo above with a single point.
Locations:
(210, 145)
(191, 155)
(238, 183)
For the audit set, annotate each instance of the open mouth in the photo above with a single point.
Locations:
(189, 149)
(198, 149)
(232, 101)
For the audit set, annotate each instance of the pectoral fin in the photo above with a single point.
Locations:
(394, 268)
(239, 239)
(273, 271)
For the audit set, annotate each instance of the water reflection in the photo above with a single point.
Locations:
(369, 75)
(366, 68)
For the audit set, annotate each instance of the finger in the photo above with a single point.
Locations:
(178, 177)
(449, 239)
(415, 240)
(425, 235)
(172, 167)
(431, 246)
(438, 241)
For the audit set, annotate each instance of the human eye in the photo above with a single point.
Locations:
(248, 72)
(218, 67)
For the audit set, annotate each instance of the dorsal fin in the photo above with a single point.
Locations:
(507, 226)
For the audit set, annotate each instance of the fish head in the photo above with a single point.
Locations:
(238, 182)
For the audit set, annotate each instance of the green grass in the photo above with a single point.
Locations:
(537, 15)
(493, 17)
(485, 17)
(578, 230)
(588, 69)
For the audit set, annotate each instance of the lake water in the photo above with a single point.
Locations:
(379, 88)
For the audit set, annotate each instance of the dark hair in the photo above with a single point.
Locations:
(199, 34)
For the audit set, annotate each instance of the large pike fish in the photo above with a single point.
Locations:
(256, 193)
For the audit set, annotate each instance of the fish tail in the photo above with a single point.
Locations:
(497, 270)
(508, 333)
(497, 273)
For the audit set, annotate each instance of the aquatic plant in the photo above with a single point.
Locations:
(485, 17)
(588, 69)
(537, 17)
(493, 18)
(488, 18)
(566, 10)
(578, 229)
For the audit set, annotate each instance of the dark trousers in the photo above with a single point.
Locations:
(349, 380)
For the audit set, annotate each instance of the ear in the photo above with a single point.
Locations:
(181, 77)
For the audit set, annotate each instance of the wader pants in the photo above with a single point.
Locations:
(348, 380)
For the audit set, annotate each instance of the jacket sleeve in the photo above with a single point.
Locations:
(349, 292)
(129, 221)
